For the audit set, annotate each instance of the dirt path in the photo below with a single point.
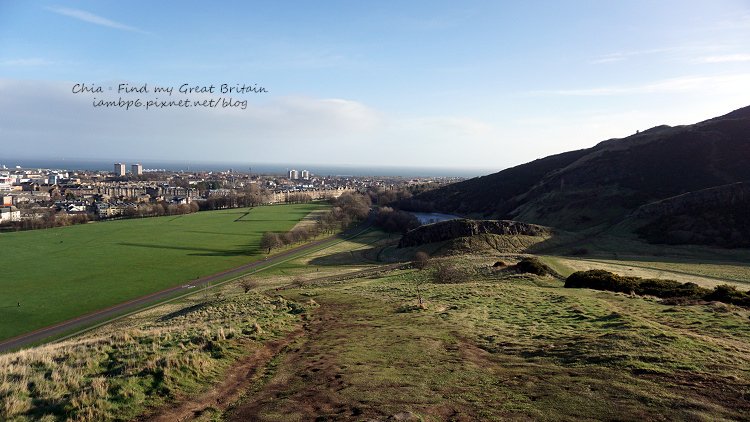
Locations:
(313, 364)
(228, 391)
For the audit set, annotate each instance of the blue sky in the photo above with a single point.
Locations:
(473, 84)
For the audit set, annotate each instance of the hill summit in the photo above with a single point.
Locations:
(603, 185)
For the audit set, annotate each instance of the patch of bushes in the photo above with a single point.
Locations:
(449, 274)
(533, 266)
(729, 294)
(605, 280)
(395, 221)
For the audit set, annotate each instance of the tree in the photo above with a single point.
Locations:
(270, 240)
(248, 284)
(421, 260)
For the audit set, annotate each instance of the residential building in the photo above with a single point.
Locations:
(9, 214)
(305, 175)
(293, 174)
(119, 169)
(136, 169)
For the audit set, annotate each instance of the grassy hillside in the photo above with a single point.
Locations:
(502, 346)
(497, 346)
(60, 273)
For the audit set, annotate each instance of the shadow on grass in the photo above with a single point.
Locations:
(265, 220)
(235, 252)
(207, 251)
(181, 312)
(220, 233)
(344, 258)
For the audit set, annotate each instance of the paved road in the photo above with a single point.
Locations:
(102, 315)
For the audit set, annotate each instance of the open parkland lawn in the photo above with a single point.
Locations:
(58, 274)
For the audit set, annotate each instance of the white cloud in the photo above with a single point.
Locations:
(679, 52)
(56, 122)
(624, 55)
(708, 84)
(25, 62)
(92, 18)
(727, 58)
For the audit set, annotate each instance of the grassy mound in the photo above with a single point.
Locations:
(491, 242)
(533, 266)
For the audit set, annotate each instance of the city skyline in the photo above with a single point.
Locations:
(481, 85)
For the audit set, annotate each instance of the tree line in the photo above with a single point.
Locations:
(347, 209)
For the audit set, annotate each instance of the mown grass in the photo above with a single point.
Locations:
(57, 274)
(116, 373)
(508, 346)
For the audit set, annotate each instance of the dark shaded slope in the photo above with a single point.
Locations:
(600, 186)
(718, 216)
(493, 194)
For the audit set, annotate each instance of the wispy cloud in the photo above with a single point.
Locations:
(674, 85)
(727, 58)
(25, 62)
(92, 18)
(624, 55)
(680, 52)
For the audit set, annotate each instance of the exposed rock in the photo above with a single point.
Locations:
(452, 229)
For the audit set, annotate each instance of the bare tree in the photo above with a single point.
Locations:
(421, 260)
(248, 284)
(270, 240)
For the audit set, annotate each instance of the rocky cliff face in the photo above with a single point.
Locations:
(453, 229)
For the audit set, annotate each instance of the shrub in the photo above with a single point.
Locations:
(604, 280)
(421, 260)
(449, 274)
(729, 294)
(669, 288)
(601, 280)
(532, 266)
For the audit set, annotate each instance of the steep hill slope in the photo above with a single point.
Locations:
(602, 185)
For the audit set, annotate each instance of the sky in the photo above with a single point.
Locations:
(478, 85)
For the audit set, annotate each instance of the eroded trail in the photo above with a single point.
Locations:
(308, 378)
(244, 373)
(368, 353)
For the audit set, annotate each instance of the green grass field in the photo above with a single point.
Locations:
(499, 346)
(57, 274)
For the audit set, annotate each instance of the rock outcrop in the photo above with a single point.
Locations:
(452, 229)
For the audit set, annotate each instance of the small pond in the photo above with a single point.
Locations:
(433, 217)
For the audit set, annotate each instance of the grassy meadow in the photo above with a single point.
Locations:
(60, 273)
(118, 372)
(503, 346)
(315, 340)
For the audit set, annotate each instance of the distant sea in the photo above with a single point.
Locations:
(259, 168)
